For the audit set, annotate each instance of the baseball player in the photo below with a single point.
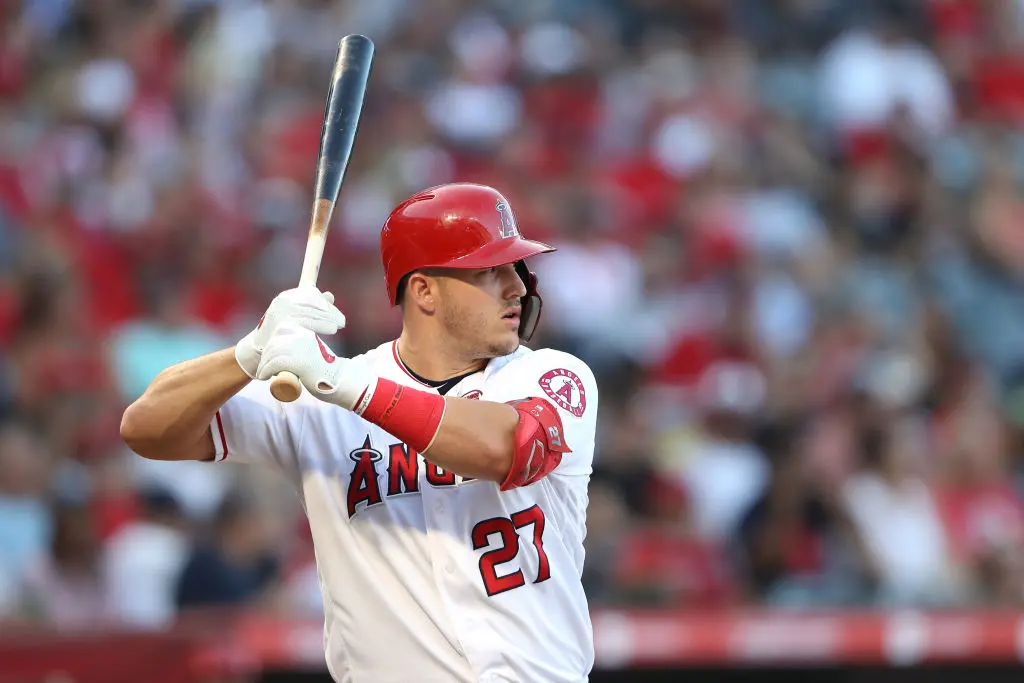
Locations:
(444, 474)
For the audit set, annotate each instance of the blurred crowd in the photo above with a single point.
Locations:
(791, 246)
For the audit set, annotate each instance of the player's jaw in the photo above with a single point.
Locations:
(483, 310)
(487, 331)
(505, 290)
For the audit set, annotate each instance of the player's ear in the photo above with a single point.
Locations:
(421, 291)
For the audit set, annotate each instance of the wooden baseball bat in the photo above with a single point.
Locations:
(337, 137)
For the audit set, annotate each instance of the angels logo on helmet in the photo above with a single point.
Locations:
(508, 221)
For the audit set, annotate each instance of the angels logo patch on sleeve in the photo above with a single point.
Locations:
(565, 389)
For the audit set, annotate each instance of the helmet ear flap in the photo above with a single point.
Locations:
(531, 303)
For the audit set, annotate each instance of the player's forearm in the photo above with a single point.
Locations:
(512, 444)
(171, 420)
(475, 439)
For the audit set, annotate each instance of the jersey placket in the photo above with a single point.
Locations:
(437, 509)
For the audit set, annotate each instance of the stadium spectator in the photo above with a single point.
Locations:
(768, 211)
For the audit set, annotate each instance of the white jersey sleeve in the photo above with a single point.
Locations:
(254, 427)
(567, 383)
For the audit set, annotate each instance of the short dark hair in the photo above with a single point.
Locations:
(400, 294)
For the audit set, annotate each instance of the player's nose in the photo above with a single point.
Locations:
(515, 288)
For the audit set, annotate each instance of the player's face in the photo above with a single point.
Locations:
(480, 310)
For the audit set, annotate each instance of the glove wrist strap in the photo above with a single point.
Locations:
(247, 357)
(409, 414)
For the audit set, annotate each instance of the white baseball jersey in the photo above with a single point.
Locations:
(428, 576)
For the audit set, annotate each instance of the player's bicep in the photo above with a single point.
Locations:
(564, 386)
(538, 444)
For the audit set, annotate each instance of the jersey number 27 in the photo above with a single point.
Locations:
(508, 529)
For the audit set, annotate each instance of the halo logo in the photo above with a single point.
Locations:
(508, 221)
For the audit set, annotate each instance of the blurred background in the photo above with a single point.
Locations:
(791, 246)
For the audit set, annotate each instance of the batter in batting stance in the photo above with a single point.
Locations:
(444, 474)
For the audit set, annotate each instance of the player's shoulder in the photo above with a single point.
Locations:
(375, 354)
(381, 357)
(562, 377)
(527, 360)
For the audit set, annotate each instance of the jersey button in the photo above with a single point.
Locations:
(450, 568)
(439, 507)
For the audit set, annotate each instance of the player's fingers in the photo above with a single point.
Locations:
(277, 356)
(319, 305)
(327, 312)
(269, 367)
(324, 327)
(318, 325)
(339, 317)
(321, 309)
(321, 322)
(287, 333)
(305, 297)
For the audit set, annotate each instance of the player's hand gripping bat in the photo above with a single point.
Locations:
(337, 136)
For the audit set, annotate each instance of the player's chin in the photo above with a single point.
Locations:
(506, 343)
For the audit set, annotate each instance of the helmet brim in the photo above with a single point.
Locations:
(498, 253)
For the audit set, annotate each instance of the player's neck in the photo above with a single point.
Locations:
(433, 361)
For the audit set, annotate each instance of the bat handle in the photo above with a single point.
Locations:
(285, 387)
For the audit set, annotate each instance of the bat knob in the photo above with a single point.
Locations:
(285, 387)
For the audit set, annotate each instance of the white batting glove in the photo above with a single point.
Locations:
(329, 377)
(306, 307)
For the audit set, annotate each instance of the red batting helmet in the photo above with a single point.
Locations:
(460, 225)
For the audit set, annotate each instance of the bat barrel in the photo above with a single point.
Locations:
(341, 113)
